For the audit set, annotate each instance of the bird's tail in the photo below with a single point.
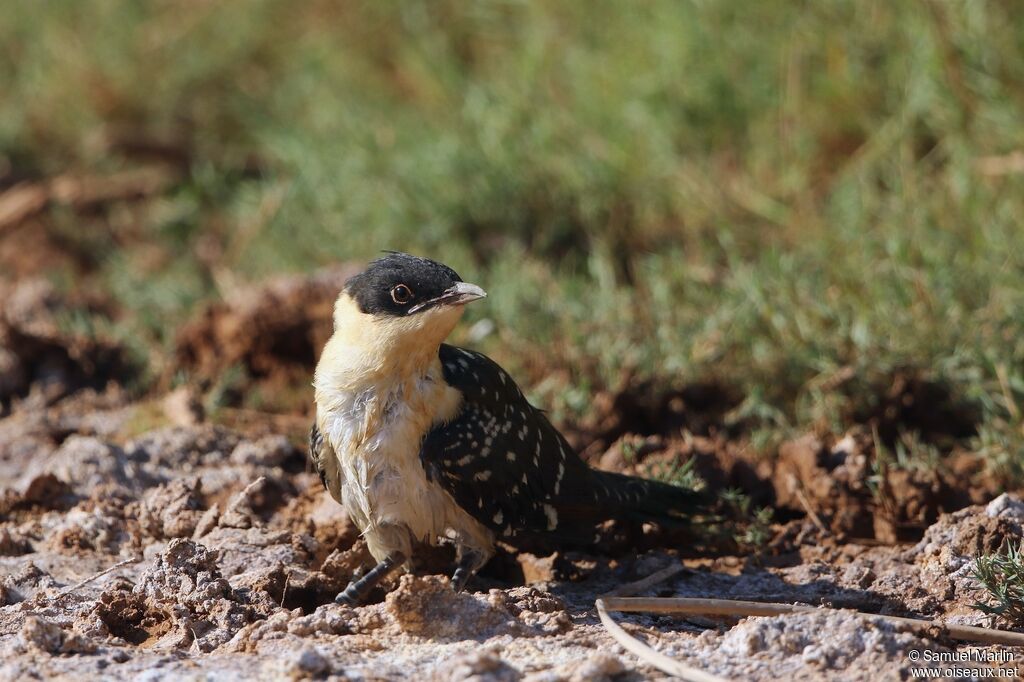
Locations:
(646, 500)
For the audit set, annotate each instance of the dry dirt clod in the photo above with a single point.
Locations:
(539, 610)
(240, 512)
(269, 451)
(88, 527)
(479, 666)
(172, 510)
(183, 601)
(825, 645)
(428, 607)
(341, 565)
(309, 662)
(30, 583)
(600, 667)
(12, 542)
(177, 450)
(1006, 506)
(207, 522)
(86, 464)
(44, 635)
(537, 569)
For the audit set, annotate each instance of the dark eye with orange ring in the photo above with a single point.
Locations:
(401, 294)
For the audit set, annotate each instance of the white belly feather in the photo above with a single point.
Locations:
(375, 433)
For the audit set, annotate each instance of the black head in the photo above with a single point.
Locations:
(399, 284)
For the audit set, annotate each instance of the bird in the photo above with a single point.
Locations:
(424, 442)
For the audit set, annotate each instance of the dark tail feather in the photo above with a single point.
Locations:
(646, 500)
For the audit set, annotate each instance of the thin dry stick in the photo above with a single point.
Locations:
(730, 607)
(96, 576)
(649, 655)
(638, 648)
(650, 581)
(806, 504)
(284, 592)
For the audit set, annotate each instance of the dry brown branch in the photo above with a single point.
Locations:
(729, 607)
(20, 202)
(638, 648)
(26, 199)
(96, 576)
(1007, 164)
(806, 504)
(647, 654)
(616, 600)
(650, 581)
(86, 190)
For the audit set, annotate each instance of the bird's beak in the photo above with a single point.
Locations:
(459, 294)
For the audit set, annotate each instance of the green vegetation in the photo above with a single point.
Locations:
(1002, 576)
(804, 202)
(748, 527)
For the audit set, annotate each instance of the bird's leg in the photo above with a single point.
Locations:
(469, 562)
(359, 589)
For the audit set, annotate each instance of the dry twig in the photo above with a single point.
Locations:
(642, 651)
(616, 601)
(26, 199)
(96, 576)
(629, 589)
(806, 504)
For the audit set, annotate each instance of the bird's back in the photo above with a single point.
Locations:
(503, 461)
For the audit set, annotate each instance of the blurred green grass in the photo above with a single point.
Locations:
(799, 200)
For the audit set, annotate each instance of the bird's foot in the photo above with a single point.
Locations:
(469, 563)
(348, 597)
(359, 589)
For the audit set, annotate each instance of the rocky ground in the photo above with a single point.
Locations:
(227, 553)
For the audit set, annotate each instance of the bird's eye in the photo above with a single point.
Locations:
(401, 294)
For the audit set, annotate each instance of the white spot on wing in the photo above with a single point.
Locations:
(498, 518)
(552, 515)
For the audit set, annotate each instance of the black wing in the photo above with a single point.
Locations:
(325, 462)
(316, 454)
(500, 458)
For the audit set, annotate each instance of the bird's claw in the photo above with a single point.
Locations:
(345, 599)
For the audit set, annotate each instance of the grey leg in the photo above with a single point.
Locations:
(359, 589)
(469, 563)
